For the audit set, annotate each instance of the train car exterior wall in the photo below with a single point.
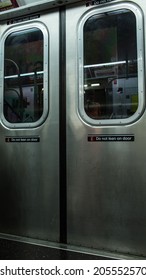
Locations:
(72, 124)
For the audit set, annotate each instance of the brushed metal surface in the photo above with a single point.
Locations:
(29, 172)
(106, 180)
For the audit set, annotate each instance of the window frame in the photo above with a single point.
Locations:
(140, 63)
(44, 30)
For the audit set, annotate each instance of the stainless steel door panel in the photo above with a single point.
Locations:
(106, 180)
(29, 171)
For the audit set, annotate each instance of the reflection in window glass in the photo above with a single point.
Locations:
(110, 66)
(23, 76)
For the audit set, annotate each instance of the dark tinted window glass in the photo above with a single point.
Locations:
(110, 66)
(23, 76)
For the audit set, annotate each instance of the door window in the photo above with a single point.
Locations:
(24, 94)
(110, 67)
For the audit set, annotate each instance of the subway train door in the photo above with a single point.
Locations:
(106, 127)
(29, 141)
